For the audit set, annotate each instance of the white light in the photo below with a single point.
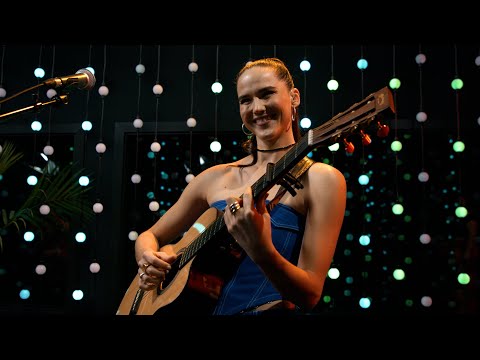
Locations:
(215, 146)
(103, 90)
(217, 87)
(421, 116)
(40, 269)
(191, 122)
(334, 147)
(305, 123)
(154, 206)
(32, 180)
(426, 301)
(136, 178)
(420, 59)
(39, 73)
(28, 236)
(333, 273)
(157, 89)
(133, 235)
(51, 93)
(44, 209)
(425, 239)
(138, 123)
(332, 85)
(155, 146)
(48, 150)
(193, 67)
(140, 69)
(87, 125)
(83, 180)
(94, 267)
(36, 125)
(423, 176)
(305, 65)
(3, 92)
(80, 237)
(97, 208)
(77, 295)
(100, 148)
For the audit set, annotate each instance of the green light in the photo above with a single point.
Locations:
(461, 212)
(407, 218)
(408, 260)
(395, 83)
(397, 209)
(409, 303)
(327, 299)
(398, 274)
(457, 84)
(396, 145)
(368, 217)
(368, 258)
(463, 278)
(458, 146)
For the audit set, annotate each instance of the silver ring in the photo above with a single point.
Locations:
(141, 275)
(234, 207)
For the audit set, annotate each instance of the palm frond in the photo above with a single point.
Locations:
(8, 156)
(61, 191)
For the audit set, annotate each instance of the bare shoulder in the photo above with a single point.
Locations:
(324, 175)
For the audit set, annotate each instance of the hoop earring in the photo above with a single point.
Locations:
(246, 132)
(294, 113)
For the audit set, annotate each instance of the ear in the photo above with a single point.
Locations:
(295, 97)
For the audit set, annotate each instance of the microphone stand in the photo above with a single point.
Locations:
(58, 99)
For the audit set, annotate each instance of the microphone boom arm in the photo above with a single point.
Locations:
(38, 106)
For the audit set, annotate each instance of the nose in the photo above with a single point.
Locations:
(258, 106)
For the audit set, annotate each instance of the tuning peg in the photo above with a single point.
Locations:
(349, 147)
(366, 140)
(382, 130)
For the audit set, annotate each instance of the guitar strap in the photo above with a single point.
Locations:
(291, 180)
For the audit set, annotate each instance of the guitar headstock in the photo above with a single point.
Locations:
(355, 120)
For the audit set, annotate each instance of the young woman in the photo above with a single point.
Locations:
(287, 249)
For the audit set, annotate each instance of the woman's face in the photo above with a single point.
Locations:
(265, 104)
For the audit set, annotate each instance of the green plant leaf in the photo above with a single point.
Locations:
(8, 156)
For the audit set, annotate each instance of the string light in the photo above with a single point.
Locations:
(155, 146)
(191, 121)
(305, 66)
(421, 118)
(215, 145)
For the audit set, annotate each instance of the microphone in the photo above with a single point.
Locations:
(83, 79)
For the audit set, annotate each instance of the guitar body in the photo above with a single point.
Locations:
(191, 288)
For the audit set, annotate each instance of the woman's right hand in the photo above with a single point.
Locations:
(153, 268)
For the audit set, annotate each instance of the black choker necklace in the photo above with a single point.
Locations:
(276, 149)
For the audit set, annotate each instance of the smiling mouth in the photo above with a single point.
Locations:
(262, 121)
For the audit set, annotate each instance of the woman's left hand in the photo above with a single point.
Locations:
(250, 224)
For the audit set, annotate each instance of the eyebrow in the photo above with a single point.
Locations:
(264, 89)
